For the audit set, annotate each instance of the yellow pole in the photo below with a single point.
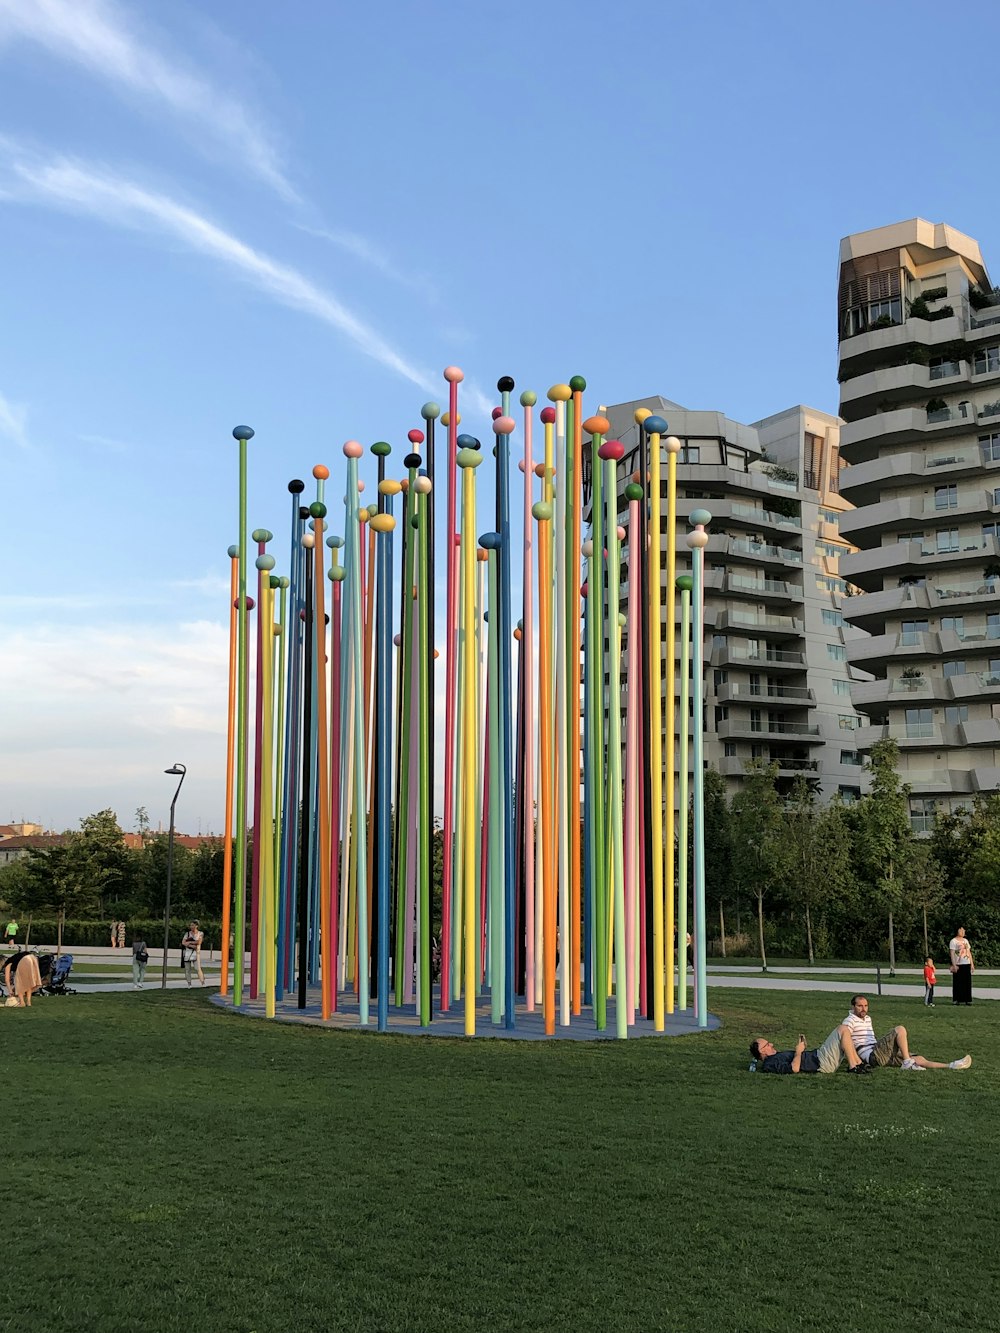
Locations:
(469, 459)
(652, 427)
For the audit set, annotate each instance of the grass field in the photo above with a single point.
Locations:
(181, 1168)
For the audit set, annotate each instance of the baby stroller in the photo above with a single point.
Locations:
(55, 970)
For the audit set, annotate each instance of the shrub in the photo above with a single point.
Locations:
(45, 931)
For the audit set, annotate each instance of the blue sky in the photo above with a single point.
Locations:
(295, 216)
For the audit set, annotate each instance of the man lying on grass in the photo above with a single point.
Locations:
(893, 1048)
(824, 1059)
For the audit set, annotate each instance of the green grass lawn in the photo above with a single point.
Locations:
(179, 1168)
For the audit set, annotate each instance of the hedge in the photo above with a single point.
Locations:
(45, 930)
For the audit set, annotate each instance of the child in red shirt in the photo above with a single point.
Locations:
(930, 980)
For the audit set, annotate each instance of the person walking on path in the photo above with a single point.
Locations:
(140, 957)
(114, 934)
(121, 934)
(930, 981)
(962, 968)
(10, 934)
(891, 1050)
(191, 952)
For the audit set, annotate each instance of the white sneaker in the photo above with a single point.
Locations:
(964, 1063)
(912, 1065)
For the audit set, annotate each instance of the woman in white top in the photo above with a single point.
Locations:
(962, 968)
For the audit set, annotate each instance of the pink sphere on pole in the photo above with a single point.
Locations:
(352, 449)
(453, 375)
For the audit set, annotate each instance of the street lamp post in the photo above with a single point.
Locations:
(174, 770)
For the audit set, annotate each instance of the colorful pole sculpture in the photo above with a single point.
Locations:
(227, 871)
(697, 541)
(425, 823)
(611, 453)
(526, 789)
(503, 428)
(572, 474)
(653, 427)
(383, 523)
(597, 427)
(468, 459)
(241, 434)
(352, 452)
(684, 588)
(453, 376)
(673, 446)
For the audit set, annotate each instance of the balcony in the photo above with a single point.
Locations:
(875, 654)
(868, 568)
(863, 483)
(763, 516)
(743, 692)
(743, 585)
(871, 611)
(774, 659)
(742, 548)
(963, 589)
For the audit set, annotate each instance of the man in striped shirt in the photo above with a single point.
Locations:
(892, 1049)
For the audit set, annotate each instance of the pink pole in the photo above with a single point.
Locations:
(528, 649)
(334, 787)
(411, 839)
(631, 770)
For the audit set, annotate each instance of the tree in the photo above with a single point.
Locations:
(924, 884)
(819, 854)
(885, 840)
(718, 853)
(142, 822)
(759, 846)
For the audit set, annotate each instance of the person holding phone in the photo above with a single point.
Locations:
(825, 1059)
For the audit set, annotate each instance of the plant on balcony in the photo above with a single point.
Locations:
(936, 405)
(991, 569)
(778, 473)
(943, 312)
(917, 355)
(934, 293)
(919, 309)
(990, 409)
(883, 322)
(979, 299)
(911, 673)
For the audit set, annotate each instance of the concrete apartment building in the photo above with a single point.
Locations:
(919, 357)
(777, 681)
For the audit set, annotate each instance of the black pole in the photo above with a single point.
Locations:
(174, 770)
(305, 806)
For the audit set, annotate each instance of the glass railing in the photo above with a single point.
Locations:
(990, 410)
(755, 618)
(946, 370)
(944, 460)
(763, 515)
(907, 684)
(746, 584)
(960, 413)
(792, 729)
(796, 765)
(970, 588)
(989, 679)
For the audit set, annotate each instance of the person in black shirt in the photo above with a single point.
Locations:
(825, 1059)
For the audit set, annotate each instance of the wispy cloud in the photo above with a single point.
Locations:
(98, 36)
(106, 445)
(74, 187)
(361, 248)
(14, 423)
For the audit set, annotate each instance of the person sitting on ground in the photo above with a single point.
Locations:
(892, 1049)
(823, 1059)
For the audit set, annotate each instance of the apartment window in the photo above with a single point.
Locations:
(849, 794)
(755, 722)
(850, 757)
(836, 652)
(921, 814)
(919, 723)
(956, 623)
(842, 687)
(690, 453)
(943, 366)
(755, 683)
(990, 447)
(829, 516)
(993, 625)
(995, 666)
(721, 713)
(911, 536)
(756, 751)
(996, 496)
(912, 631)
(721, 678)
(986, 360)
(828, 548)
(946, 540)
(833, 617)
(719, 640)
(990, 530)
(946, 497)
(848, 722)
(829, 583)
(955, 713)
(729, 749)
(954, 669)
